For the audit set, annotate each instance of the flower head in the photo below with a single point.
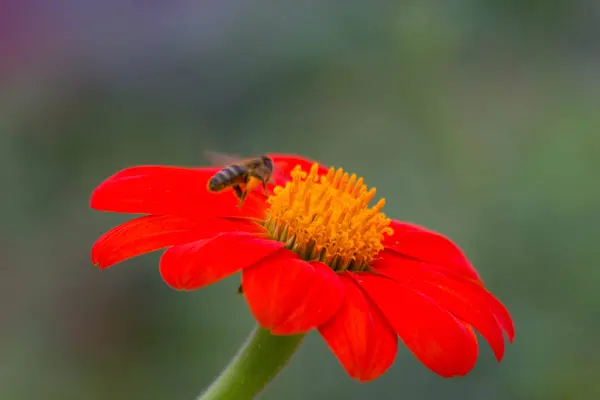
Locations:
(314, 255)
(328, 218)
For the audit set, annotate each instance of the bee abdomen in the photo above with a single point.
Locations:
(225, 177)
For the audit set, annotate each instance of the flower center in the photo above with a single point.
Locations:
(328, 218)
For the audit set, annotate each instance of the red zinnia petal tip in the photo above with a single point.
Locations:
(154, 232)
(416, 242)
(169, 190)
(288, 295)
(436, 338)
(359, 336)
(467, 300)
(194, 265)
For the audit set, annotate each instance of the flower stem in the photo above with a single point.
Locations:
(257, 362)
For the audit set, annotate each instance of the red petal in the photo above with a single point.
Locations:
(194, 265)
(285, 163)
(288, 295)
(170, 190)
(419, 243)
(435, 336)
(466, 300)
(359, 336)
(145, 234)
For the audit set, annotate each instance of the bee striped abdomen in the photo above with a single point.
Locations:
(227, 177)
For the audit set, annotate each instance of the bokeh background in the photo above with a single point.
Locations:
(477, 118)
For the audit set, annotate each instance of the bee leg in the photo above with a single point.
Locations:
(264, 185)
(240, 194)
(238, 191)
(242, 197)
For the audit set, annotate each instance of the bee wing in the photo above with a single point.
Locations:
(221, 159)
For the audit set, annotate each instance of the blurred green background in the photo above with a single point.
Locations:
(479, 119)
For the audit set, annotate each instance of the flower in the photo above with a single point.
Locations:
(313, 255)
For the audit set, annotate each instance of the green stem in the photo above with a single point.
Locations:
(257, 362)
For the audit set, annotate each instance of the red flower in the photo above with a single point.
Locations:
(313, 254)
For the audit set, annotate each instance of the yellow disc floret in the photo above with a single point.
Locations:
(328, 218)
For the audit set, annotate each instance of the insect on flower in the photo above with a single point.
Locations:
(314, 254)
(242, 176)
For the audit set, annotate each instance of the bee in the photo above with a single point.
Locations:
(243, 176)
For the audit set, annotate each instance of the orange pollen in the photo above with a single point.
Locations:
(328, 218)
